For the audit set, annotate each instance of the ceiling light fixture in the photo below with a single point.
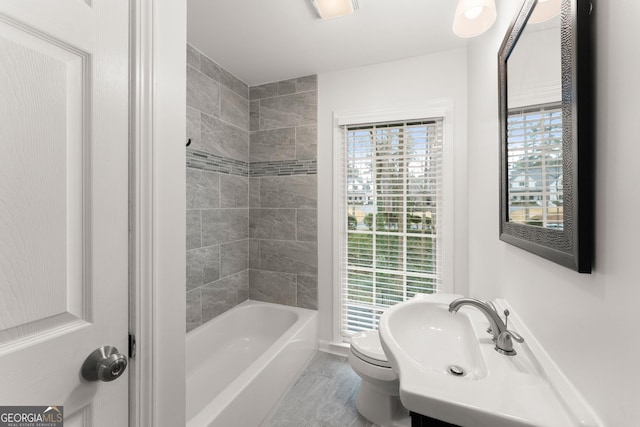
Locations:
(473, 17)
(328, 9)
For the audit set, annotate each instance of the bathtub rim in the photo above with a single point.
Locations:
(214, 408)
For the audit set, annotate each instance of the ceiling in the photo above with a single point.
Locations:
(262, 41)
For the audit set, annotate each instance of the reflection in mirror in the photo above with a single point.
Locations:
(534, 122)
(546, 131)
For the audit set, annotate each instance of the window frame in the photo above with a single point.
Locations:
(549, 113)
(438, 108)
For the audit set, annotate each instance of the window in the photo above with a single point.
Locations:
(535, 165)
(392, 198)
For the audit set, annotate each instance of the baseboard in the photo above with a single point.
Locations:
(339, 349)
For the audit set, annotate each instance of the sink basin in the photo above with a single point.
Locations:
(418, 329)
(449, 370)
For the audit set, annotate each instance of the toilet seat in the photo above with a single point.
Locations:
(366, 346)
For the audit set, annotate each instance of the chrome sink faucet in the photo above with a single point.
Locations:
(501, 335)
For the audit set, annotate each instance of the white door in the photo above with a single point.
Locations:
(63, 203)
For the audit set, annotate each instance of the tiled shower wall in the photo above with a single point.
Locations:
(217, 189)
(283, 253)
(251, 191)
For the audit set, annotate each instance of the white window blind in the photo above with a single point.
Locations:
(392, 196)
(534, 147)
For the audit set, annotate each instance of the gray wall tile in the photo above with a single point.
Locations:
(307, 292)
(224, 225)
(269, 286)
(234, 108)
(234, 257)
(194, 309)
(263, 91)
(217, 184)
(194, 229)
(254, 115)
(269, 145)
(194, 270)
(235, 84)
(203, 189)
(203, 266)
(279, 224)
(193, 57)
(193, 126)
(254, 192)
(267, 225)
(282, 152)
(291, 110)
(223, 139)
(307, 83)
(299, 191)
(216, 299)
(306, 142)
(284, 87)
(243, 293)
(287, 87)
(254, 254)
(289, 257)
(202, 93)
(234, 191)
(307, 225)
(226, 293)
(210, 69)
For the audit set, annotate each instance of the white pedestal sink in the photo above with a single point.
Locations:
(449, 370)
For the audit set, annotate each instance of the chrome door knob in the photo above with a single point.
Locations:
(104, 364)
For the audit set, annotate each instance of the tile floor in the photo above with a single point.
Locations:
(323, 396)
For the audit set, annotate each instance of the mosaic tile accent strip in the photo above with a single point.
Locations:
(284, 168)
(210, 162)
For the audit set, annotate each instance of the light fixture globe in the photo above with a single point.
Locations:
(328, 9)
(473, 17)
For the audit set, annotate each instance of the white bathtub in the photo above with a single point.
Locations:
(241, 363)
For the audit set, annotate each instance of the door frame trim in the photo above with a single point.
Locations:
(157, 206)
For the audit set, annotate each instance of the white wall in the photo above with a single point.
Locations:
(587, 323)
(393, 84)
(157, 175)
(169, 205)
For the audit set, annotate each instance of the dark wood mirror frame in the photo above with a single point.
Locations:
(571, 246)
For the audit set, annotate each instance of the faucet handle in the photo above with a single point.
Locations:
(504, 344)
(516, 336)
(506, 316)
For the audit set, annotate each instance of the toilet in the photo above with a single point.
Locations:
(378, 397)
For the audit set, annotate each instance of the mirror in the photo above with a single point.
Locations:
(546, 132)
(534, 123)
